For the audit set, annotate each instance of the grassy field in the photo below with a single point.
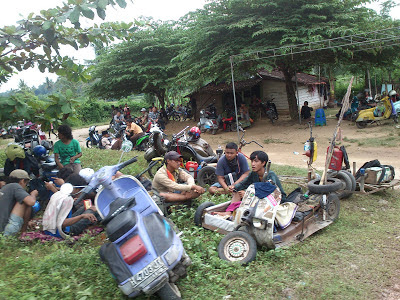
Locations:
(355, 258)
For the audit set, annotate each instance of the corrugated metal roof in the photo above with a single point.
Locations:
(302, 78)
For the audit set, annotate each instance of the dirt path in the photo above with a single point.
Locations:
(283, 140)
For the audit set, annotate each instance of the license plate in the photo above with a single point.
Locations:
(149, 273)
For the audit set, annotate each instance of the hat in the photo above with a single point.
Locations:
(104, 132)
(19, 174)
(143, 109)
(172, 155)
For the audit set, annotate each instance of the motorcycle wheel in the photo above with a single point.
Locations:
(206, 176)
(169, 292)
(214, 131)
(89, 144)
(361, 124)
(239, 247)
(177, 118)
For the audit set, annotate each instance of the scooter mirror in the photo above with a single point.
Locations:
(66, 189)
(126, 146)
(87, 174)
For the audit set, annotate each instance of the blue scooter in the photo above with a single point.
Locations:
(145, 254)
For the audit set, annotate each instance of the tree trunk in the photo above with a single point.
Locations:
(161, 98)
(291, 95)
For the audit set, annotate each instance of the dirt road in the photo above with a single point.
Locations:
(284, 141)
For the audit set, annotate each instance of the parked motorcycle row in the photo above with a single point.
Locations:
(372, 111)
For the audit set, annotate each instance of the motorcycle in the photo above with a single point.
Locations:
(208, 120)
(28, 138)
(145, 253)
(94, 138)
(383, 110)
(270, 110)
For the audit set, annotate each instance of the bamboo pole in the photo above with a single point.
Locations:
(345, 107)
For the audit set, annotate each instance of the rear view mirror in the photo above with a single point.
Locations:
(126, 146)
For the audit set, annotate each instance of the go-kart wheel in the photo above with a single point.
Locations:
(332, 185)
(332, 207)
(206, 176)
(169, 292)
(89, 144)
(361, 124)
(238, 246)
(198, 216)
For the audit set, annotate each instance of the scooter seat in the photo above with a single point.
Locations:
(121, 224)
(206, 159)
(118, 206)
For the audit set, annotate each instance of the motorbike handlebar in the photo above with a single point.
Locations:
(180, 133)
(83, 194)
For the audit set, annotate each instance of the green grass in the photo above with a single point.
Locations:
(354, 258)
(385, 141)
(276, 141)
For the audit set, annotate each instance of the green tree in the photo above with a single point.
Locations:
(36, 40)
(141, 65)
(227, 27)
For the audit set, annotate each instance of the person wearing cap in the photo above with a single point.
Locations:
(16, 203)
(133, 131)
(166, 180)
(144, 117)
(105, 141)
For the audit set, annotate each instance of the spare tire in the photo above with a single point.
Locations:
(348, 184)
(332, 185)
(206, 176)
(352, 178)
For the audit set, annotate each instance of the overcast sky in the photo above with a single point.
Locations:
(15, 10)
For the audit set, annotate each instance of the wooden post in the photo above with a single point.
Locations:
(354, 169)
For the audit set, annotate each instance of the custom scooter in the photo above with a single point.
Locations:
(208, 120)
(145, 253)
(383, 111)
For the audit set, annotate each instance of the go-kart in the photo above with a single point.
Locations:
(259, 221)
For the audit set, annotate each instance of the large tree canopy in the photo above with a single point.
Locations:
(141, 65)
(227, 27)
(36, 40)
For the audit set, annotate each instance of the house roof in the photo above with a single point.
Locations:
(223, 87)
(302, 78)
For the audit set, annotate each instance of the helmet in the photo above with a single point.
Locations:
(39, 151)
(392, 93)
(46, 144)
(14, 150)
(143, 109)
(194, 133)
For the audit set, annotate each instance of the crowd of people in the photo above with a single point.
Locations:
(62, 218)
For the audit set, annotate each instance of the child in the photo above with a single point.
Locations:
(67, 150)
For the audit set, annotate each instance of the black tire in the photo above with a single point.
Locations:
(169, 292)
(345, 157)
(238, 246)
(206, 176)
(177, 117)
(361, 124)
(332, 207)
(344, 177)
(214, 131)
(353, 180)
(198, 216)
(159, 145)
(332, 185)
(89, 144)
(396, 118)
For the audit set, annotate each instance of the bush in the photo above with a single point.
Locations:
(92, 111)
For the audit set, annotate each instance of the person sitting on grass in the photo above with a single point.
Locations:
(58, 218)
(166, 180)
(233, 163)
(259, 160)
(16, 203)
(67, 150)
(117, 142)
(105, 140)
